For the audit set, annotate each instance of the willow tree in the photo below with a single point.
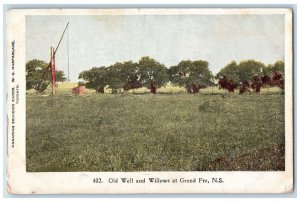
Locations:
(193, 75)
(95, 78)
(152, 73)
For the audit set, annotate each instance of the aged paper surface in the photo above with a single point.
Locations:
(20, 181)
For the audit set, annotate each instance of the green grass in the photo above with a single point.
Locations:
(144, 132)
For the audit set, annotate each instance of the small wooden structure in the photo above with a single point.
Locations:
(80, 90)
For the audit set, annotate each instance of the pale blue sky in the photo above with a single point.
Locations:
(104, 40)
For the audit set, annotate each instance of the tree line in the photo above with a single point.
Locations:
(149, 73)
(251, 74)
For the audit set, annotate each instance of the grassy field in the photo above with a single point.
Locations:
(170, 131)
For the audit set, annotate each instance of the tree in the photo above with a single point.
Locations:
(34, 75)
(38, 75)
(116, 77)
(278, 66)
(244, 71)
(96, 78)
(250, 68)
(193, 75)
(200, 74)
(130, 75)
(268, 69)
(231, 71)
(60, 76)
(129, 71)
(152, 73)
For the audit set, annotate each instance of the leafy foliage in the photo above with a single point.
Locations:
(115, 76)
(188, 73)
(60, 76)
(95, 77)
(129, 71)
(151, 70)
(120, 73)
(278, 66)
(250, 68)
(243, 71)
(193, 75)
(38, 75)
(231, 71)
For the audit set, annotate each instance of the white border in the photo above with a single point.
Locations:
(81, 182)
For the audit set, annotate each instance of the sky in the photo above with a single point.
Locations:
(96, 41)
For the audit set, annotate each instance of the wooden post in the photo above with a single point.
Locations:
(52, 67)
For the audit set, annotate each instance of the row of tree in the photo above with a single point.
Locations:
(246, 70)
(251, 74)
(148, 72)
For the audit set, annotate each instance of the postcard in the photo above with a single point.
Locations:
(122, 101)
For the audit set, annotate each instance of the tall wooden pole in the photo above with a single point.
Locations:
(52, 61)
(52, 66)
